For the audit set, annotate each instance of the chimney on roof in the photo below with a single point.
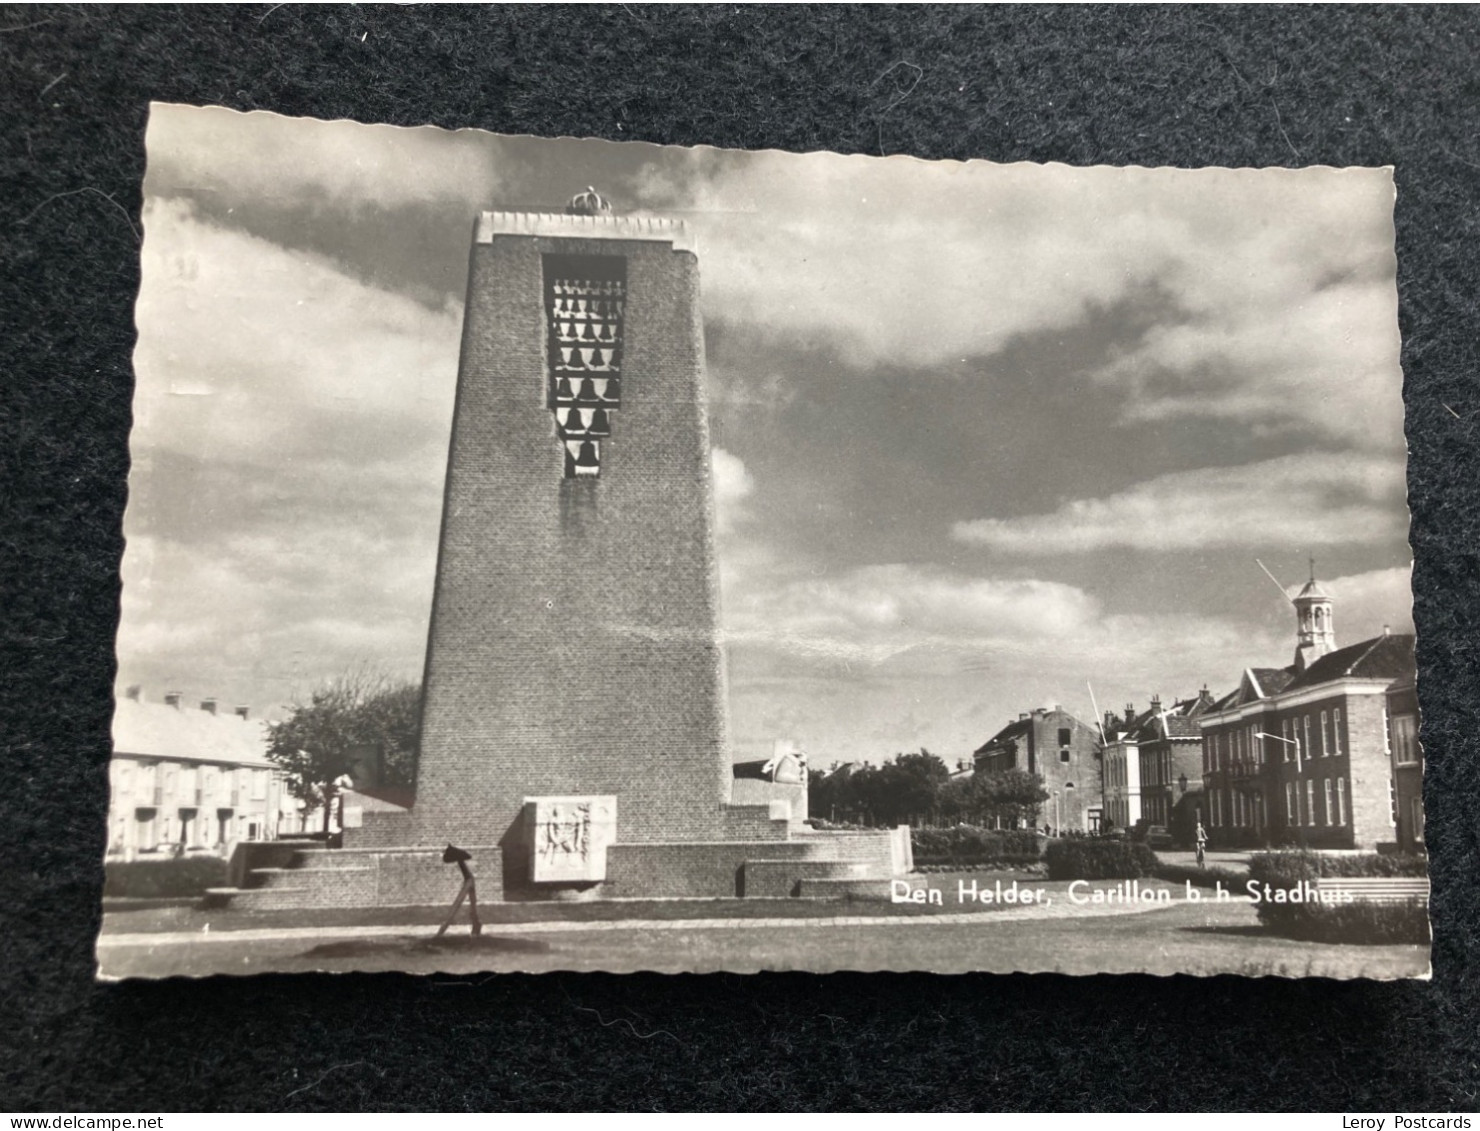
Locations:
(134, 691)
(172, 699)
(1130, 712)
(1058, 708)
(208, 706)
(1156, 704)
(243, 712)
(1022, 715)
(1387, 630)
(1205, 695)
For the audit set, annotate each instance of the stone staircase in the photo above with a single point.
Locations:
(774, 860)
(338, 877)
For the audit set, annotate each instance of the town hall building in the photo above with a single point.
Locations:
(1303, 755)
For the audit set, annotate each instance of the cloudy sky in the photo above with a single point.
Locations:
(984, 434)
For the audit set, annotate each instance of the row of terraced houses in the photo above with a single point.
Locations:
(1323, 752)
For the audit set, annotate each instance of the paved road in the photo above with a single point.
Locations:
(1236, 860)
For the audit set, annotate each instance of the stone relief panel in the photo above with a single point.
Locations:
(570, 837)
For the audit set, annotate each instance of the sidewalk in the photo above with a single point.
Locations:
(1057, 910)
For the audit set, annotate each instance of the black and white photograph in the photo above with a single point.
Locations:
(557, 554)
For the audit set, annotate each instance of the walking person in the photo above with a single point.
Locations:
(1202, 845)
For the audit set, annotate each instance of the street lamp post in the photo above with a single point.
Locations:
(1287, 742)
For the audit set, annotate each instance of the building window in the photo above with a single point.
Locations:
(1416, 809)
(1310, 801)
(1288, 746)
(1292, 813)
(1325, 750)
(1341, 801)
(1064, 756)
(1392, 802)
(1326, 814)
(1305, 742)
(1336, 731)
(1404, 739)
(1066, 736)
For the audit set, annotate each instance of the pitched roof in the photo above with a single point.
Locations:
(1389, 657)
(1182, 726)
(1014, 729)
(157, 730)
(1273, 680)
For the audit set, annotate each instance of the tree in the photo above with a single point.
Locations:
(1007, 796)
(909, 788)
(356, 718)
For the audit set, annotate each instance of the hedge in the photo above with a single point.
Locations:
(963, 846)
(1361, 922)
(1287, 869)
(156, 879)
(1093, 859)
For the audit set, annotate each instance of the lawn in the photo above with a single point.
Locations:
(1199, 939)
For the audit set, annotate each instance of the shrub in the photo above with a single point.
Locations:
(1361, 922)
(966, 846)
(1030, 865)
(1393, 864)
(1287, 869)
(1201, 877)
(158, 879)
(1096, 859)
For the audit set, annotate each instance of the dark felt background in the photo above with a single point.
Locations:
(1248, 86)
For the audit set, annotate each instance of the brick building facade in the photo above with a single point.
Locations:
(1061, 750)
(1303, 754)
(1153, 766)
(191, 780)
(1407, 753)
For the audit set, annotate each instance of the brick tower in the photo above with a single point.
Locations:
(574, 648)
(573, 725)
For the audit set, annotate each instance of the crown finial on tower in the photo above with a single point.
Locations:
(588, 203)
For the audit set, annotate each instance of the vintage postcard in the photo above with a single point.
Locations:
(570, 555)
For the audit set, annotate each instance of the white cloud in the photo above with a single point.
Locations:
(732, 486)
(1290, 502)
(289, 446)
(1278, 285)
(267, 157)
(253, 352)
(890, 657)
(1364, 603)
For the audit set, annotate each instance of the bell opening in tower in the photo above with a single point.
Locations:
(585, 304)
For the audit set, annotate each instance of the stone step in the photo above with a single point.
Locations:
(781, 879)
(328, 887)
(274, 899)
(277, 877)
